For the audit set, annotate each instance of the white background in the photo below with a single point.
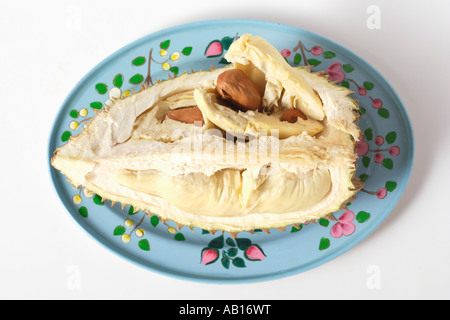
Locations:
(47, 46)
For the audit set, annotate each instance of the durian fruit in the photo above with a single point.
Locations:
(188, 151)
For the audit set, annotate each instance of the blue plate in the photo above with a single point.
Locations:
(385, 162)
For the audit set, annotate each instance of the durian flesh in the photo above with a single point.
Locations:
(239, 171)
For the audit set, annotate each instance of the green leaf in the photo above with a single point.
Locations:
(297, 58)
(388, 163)
(138, 61)
(391, 185)
(136, 79)
(131, 211)
(119, 230)
(226, 42)
(294, 229)
(144, 245)
(345, 84)
(118, 80)
(96, 105)
(329, 54)
(217, 243)
(205, 231)
(368, 85)
(225, 262)
(65, 136)
(362, 110)
(232, 252)
(368, 134)
(230, 242)
(165, 44)
(324, 222)
(314, 62)
(362, 216)
(186, 51)
(83, 211)
(179, 237)
(224, 61)
(73, 113)
(384, 113)
(98, 200)
(101, 88)
(243, 243)
(174, 70)
(365, 161)
(239, 262)
(348, 68)
(363, 177)
(324, 243)
(154, 220)
(391, 136)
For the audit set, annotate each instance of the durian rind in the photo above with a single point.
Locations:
(87, 158)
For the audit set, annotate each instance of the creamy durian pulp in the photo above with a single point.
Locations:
(235, 171)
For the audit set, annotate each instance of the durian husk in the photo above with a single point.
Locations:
(277, 73)
(357, 183)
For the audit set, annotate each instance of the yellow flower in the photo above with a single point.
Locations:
(126, 238)
(73, 125)
(163, 53)
(83, 112)
(166, 66)
(76, 199)
(140, 233)
(88, 193)
(175, 56)
(128, 223)
(108, 103)
(172, 230)
(115, 93)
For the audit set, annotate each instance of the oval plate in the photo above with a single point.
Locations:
(385, 163)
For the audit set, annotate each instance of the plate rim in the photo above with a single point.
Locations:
(236, 279)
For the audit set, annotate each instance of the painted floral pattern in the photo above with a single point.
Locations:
(374, 148)
(233, 252)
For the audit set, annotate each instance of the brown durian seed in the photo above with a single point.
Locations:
(235, 86)
(191, 115)
(291, 115)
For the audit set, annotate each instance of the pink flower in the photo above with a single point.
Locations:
(214, 49)
(394, 151)
(286, 53)
(362, 147)
(377, 103)
(362, 91)
(209, 256)
(379, 140)
(378, 157)
(317, 51)
(381, 193)
(344, 226)
(254, 253)
(335, 73)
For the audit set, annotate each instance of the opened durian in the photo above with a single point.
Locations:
(255, 145)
